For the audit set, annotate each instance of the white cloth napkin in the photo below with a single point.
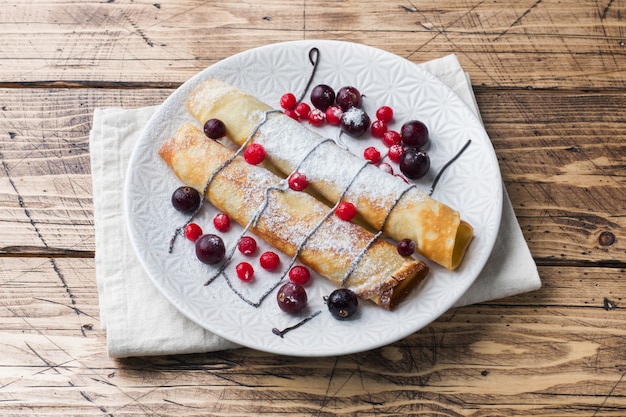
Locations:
(140, 322)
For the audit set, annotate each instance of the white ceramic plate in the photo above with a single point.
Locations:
(472, 185)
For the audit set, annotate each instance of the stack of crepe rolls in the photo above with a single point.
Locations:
(293, 222)
(382, 200)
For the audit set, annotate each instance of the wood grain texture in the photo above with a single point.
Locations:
(549, 80)
(529, 43)
(566, 181)
(508, 350)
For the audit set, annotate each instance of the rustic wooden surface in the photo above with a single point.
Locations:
(550, 82)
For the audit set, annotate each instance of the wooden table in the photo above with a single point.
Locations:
(550, 83)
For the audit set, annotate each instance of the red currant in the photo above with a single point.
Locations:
(193, 232)
(384, 113)
(254, 154)
(303, 110)
(316, 117)
(378, 128)
(333, 115)
(395, 152)
(391, 137)
(371, 154)
(386, 167)
(297, 181)
(245, 271)
(288, 101)
(346, 211)
(292, 114)
(247, 245)
(221, 222)
(269, 261)
(299, 274)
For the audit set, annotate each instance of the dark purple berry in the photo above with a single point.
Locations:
(414, 133)
(291, 297)
(210, 249)
(348, 97)
(186, 199)
(414, 163)
(355, 121)
(322, 96)
(342, 303)
(406, 247)
(214, 129)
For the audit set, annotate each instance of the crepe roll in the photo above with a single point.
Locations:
(293, 222)
(385, 202)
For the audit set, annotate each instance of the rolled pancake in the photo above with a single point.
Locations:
(289, 218)
(383, 201)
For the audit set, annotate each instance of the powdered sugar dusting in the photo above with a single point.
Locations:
(289, 144)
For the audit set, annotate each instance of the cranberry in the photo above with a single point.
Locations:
(245, 271)
(299, 274)
(302, 110)
(378, 128)
(292, 114)
(186, 199)
(269, 261)
(214, 129)
(371, 154)
(322, 96)
(297, 181)
(193, 232)
(291, 297)
(333, 115)
(254, 154)
(247, 245)
(210, 249)
(288, 101)
(414, 163)
(221, 222)
(406, 247)
(348, 97)
(391, 137)
(342, 303)
(395, 153)
(384, 113)
(414, 133)
(355, 121)
(346, 211)
(316, 117)
(386, 167)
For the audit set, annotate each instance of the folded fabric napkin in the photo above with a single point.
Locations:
(139, 320)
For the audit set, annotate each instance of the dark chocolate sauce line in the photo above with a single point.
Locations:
(315, 62)
(283, 332)
(440, 173)
(214, 174)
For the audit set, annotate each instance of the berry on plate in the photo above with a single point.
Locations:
(254, 154)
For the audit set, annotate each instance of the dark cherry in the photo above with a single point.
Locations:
(414, 163)
(406, 247)
(322, 96)
(186, 199)
(342, 303)
(210, 249)
(354, 121)
(214, 129)
(414, 133)
(291, 297)
(348, 97)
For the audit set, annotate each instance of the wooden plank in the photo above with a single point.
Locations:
(502, 44)
(560, 341)
(563, 179)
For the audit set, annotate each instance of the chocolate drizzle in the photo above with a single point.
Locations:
(314, 58)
